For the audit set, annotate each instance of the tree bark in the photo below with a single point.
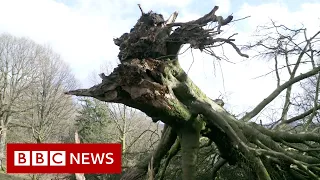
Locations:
(190, 147)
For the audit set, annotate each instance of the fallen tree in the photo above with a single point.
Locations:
(149, 78)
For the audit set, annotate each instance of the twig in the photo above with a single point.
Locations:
(192, 62)
(284, 66)
(139, 5)
(276, 69)
(241, 19)
(237, 49)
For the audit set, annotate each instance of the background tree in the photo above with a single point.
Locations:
(52, 112)
(18, 58)
(33, 106)
(92, 122)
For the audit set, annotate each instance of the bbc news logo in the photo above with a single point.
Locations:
(39, 158)
(64, 158)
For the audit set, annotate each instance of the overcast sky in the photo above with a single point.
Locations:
(81, 31)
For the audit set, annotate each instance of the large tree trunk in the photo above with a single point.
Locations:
(150, 79)
(189, 145)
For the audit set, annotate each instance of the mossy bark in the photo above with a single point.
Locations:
(190, 148)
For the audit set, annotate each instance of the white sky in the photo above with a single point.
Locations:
(82, 32)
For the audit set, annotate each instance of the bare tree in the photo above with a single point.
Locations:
(150, 79)
(52, 111)
(32, 83)
(18, 58)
